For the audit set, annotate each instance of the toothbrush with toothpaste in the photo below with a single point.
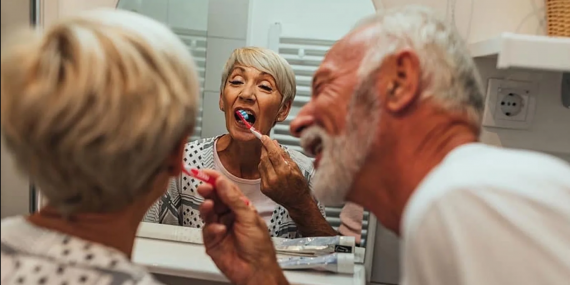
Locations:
(243, 115)
(200, 175)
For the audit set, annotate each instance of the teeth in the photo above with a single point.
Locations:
(244, 112)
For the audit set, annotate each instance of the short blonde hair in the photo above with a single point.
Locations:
(92, 107)
(264, 60)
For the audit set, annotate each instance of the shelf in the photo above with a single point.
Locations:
(526, 52)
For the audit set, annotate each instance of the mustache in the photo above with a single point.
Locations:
(311, 134)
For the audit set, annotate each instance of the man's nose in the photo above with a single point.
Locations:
(302, 121)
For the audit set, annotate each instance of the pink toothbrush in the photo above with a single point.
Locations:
(242, 115)
(199, 175)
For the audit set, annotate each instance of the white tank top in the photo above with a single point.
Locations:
(251, 188)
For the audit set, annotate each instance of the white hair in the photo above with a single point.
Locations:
(265, 60)
(448, 73)
(93, 106)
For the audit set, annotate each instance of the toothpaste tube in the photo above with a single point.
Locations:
(336, 262)
(314, 246)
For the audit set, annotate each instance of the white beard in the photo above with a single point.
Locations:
(344, 156)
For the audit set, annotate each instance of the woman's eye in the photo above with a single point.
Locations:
(266, 88)
(236, 82)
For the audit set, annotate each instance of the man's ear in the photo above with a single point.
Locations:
(402, 80)
(284, 111)
(174, 160)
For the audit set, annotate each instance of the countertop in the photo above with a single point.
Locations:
(190, 261)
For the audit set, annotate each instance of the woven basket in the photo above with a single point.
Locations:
(558, 17)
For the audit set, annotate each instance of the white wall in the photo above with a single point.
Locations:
(479, 20)
(331, 19)
(188, 14)
(15, 187)
(52, 10)
(318, 19)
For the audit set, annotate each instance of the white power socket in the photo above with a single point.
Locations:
(512, 105)
(509, 104)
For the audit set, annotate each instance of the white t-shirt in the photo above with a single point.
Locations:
(489, 215)
(251, 188)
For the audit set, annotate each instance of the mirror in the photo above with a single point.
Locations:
(212, 30)
(189, 20)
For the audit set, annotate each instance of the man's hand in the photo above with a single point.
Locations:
(235, 237)
(283, 182)
(281, 178)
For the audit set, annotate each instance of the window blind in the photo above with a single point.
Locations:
(196, 42)
(305, 56)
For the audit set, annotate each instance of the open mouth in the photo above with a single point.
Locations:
(315, 147)
(248, 115)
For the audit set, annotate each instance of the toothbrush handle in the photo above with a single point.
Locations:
(255, 133)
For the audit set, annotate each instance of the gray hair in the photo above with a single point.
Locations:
(448, 73)
(92, 107)
(265, 60)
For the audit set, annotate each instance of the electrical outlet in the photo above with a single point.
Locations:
(509, 104)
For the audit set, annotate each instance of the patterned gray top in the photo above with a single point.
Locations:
(179, 206)
(35, 255)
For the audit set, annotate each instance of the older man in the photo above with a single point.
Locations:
(394, 122)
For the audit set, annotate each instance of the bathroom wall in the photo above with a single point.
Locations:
(313, 19)
(15, 188)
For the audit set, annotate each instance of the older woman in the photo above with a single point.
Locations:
(97, 110)
(276, 179)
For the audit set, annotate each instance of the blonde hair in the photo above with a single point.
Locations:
(92, 107)
(264, 60)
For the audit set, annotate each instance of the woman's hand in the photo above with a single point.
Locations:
(235, 236)
(283, 182)
(281, 178)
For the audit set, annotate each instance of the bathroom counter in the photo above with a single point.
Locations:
(190, 261)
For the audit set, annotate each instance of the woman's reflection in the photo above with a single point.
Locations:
(262, 83)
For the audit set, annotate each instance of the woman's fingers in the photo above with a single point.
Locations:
(225, 197)
(232, 197)
(213, 234)
(205, 190)
(274, 151)
(276, 155)
(208, 192)
(265, 167)
(227, 219)
(207, 212)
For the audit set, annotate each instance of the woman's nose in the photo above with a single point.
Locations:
(248, 93)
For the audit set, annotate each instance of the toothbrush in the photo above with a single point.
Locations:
(199, 175)
(242, 115)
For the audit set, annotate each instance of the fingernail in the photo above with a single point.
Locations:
(245, 200)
